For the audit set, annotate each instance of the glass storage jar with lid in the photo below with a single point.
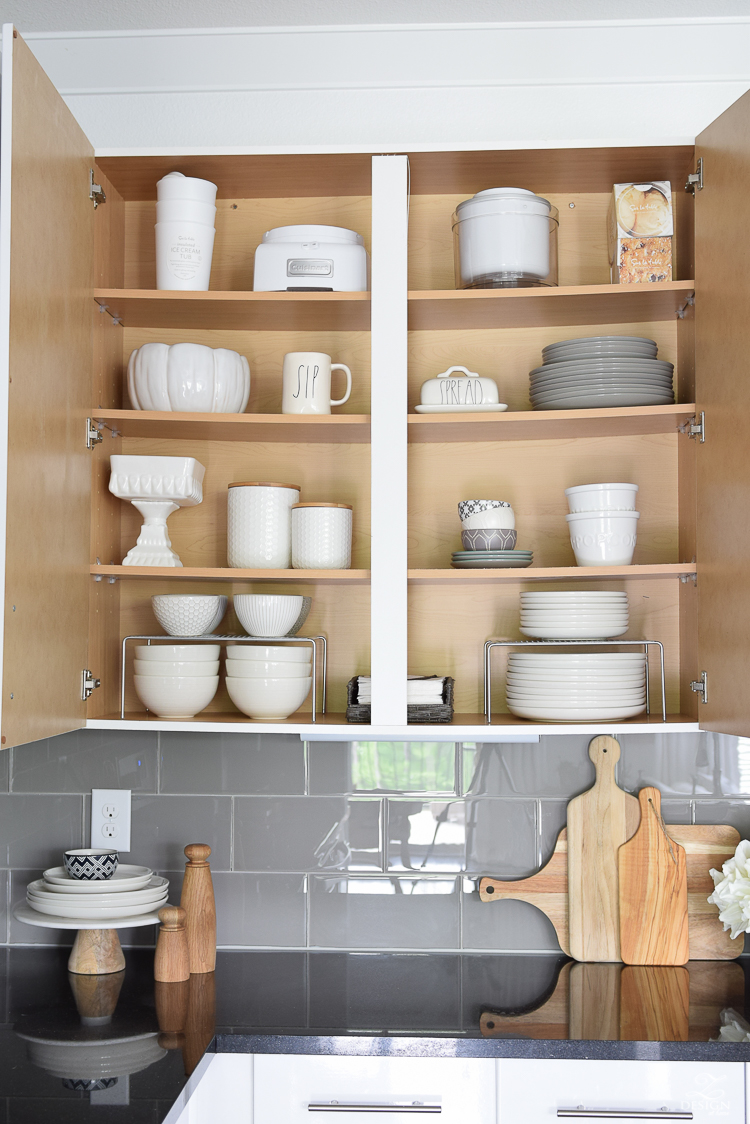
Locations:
(505, 237)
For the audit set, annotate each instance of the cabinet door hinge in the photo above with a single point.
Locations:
(88, 684)
(695, 179)
(96, 195)
(695, 427)
(93, 434)
(700, 686)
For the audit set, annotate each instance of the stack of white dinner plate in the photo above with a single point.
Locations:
(584, 687)
(132, 891)
(601, 371)
(588, 615)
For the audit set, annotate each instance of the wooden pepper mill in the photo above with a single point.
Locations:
(200, 906)
(172, 962)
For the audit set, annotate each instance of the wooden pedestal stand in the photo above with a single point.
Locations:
(96, 951)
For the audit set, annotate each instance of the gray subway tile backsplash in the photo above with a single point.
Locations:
(398, 912)
(86, 759)
(307, 833)
(236, 764)
(361, 845)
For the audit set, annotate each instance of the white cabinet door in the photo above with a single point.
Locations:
(535, 1091)
(219, 1092)
(336, 1090)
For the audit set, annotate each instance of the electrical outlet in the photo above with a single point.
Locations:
(110, 817)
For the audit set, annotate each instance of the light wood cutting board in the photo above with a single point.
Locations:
(599, 822)
(653, 891)
(706, 846)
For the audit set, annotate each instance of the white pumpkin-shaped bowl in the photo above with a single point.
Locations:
(188, 378)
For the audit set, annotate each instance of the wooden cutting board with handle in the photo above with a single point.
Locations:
(653, 891)
(706, 846)
(599, 822)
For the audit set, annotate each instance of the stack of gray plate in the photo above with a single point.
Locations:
(601, 371)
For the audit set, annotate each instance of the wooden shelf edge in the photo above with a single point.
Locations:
(551, 573)
(318, 428)
(236, 310)
(521, 425)
(334, 727)
(551, 292)
(210, 573)
(214, 296)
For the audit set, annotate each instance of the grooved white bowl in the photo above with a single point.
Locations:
(280, 653)
(179, 668)
(269, 614)
(191, 653)
(266, 669)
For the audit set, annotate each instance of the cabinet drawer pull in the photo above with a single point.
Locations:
(343, 1106)
(621, 1114)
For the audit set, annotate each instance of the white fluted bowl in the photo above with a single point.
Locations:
(266, 669)
(269, 614)
(279, 653)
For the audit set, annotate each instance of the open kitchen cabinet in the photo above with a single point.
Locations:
(78, 296)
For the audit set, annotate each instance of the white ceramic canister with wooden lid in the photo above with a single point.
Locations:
(259, 525)
(321, 536)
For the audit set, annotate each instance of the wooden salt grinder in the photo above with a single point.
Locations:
(198, 902)
(171, 962)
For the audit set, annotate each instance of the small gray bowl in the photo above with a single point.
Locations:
(91, 864)
(489, 538)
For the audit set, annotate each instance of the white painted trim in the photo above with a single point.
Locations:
(6, 144)
(491, 145)
(389, 440)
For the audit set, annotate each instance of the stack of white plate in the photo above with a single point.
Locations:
(588, 615)
(601, 371)
(131, 892)
(590, 687)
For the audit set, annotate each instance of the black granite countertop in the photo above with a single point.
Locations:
(77, 1048)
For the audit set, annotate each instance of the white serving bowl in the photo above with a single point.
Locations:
(269, 614)
(603, 538)
(188, 653)
(180, 667)
(176, 696)
(602, 497)
(266, 669)
(280, 653)
(189, 614)
(269, 700)
(499, 518)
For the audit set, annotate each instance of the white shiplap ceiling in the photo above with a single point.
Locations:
(115, 15)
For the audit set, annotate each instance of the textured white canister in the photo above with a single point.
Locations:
(321, 536)
(259, 525)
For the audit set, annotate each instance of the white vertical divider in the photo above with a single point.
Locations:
(388, 407)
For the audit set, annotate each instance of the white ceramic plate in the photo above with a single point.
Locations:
(585, 682)
(126, 877)
(567, 632)
(582, 616)
(150, 892)
(613, 661)
(609, 362)
(570, 699)
(24, 912)
(100, 913)
(478, 408)
(614, 352)
(601, 341)
(580, 714)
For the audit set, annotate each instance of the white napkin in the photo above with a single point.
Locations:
(420, 691)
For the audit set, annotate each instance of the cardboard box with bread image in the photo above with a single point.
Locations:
(640, 233)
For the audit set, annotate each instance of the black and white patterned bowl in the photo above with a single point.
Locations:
(489, 538)
(89, 864)
(471, 507)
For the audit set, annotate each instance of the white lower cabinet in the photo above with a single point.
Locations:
(340, 1090)
(539, 1092)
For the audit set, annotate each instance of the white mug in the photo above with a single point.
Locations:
(307, 383)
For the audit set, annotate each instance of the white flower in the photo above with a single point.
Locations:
(732, 891)
(733, 1027)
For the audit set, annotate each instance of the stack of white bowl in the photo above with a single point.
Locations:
(603, 523)
(176, 680)
(268, 682)
(586, 687)
(588, 615)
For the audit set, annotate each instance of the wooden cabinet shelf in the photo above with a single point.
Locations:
(224, 574)
(237, 311)
(329, 428)
(545, 573)
(531, 425)
(546, 307)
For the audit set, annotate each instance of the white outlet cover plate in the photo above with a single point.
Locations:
(110, 818)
